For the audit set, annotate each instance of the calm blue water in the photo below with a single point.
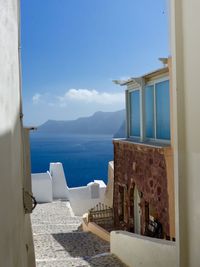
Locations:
(84, 157)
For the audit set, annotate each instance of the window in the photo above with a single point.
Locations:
(135, 113)
(162, 110)
(153, 118)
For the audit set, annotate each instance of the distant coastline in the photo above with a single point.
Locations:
(84, 146)
(100, 123)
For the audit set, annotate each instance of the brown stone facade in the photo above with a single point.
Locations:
(145, 167)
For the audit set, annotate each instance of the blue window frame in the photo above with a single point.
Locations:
(135, 113)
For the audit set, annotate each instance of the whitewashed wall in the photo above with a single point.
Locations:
(86, 197)
(15, 240)
(42, 187)
(52, 185)
(141, 251)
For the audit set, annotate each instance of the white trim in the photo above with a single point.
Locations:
(159, 141)
(135, 138)
(163, 141)
(134, 89)
(148, 143)
(159, 80)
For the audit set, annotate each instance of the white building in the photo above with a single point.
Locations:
(16, 245)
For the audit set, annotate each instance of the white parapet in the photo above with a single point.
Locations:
(53, 185)
(141, 251)
(42, 187)
(60, 189)
(86, 197)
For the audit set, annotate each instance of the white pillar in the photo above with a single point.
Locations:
(185, 43)
(59, 184)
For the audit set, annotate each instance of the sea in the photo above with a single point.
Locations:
(84, 157)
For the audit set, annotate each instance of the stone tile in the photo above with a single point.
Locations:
(59, 241)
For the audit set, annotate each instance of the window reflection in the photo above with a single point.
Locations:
(135, 113)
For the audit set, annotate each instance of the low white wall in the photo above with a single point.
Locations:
(52, 185)
(42, 187)
(141, 251)
(83, 198)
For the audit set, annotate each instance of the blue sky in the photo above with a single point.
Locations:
(73, 49)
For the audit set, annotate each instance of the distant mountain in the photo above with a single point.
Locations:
(99, 123)
(121, 133)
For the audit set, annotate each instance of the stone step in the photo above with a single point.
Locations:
(58, 228)
(59, 241)
(101, 260)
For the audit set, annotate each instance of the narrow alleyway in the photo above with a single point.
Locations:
(59, 241)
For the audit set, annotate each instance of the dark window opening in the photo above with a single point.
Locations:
(121, 203)
(153, 227)
(131, 204)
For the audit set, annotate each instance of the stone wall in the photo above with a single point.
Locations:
(144, 167)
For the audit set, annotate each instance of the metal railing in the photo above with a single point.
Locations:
(102, 215)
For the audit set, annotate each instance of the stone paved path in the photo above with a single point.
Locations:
(59, 241)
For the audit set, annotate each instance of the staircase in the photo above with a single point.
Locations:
(60, 242)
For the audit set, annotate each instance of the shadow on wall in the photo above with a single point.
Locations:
(88, 247)
(18, 248)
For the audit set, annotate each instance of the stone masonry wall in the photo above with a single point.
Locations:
(145, 167)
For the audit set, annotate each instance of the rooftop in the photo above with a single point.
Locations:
(148, 76)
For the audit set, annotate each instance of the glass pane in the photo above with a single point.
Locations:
(149, 111)
(163, 110)
(135, 113)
